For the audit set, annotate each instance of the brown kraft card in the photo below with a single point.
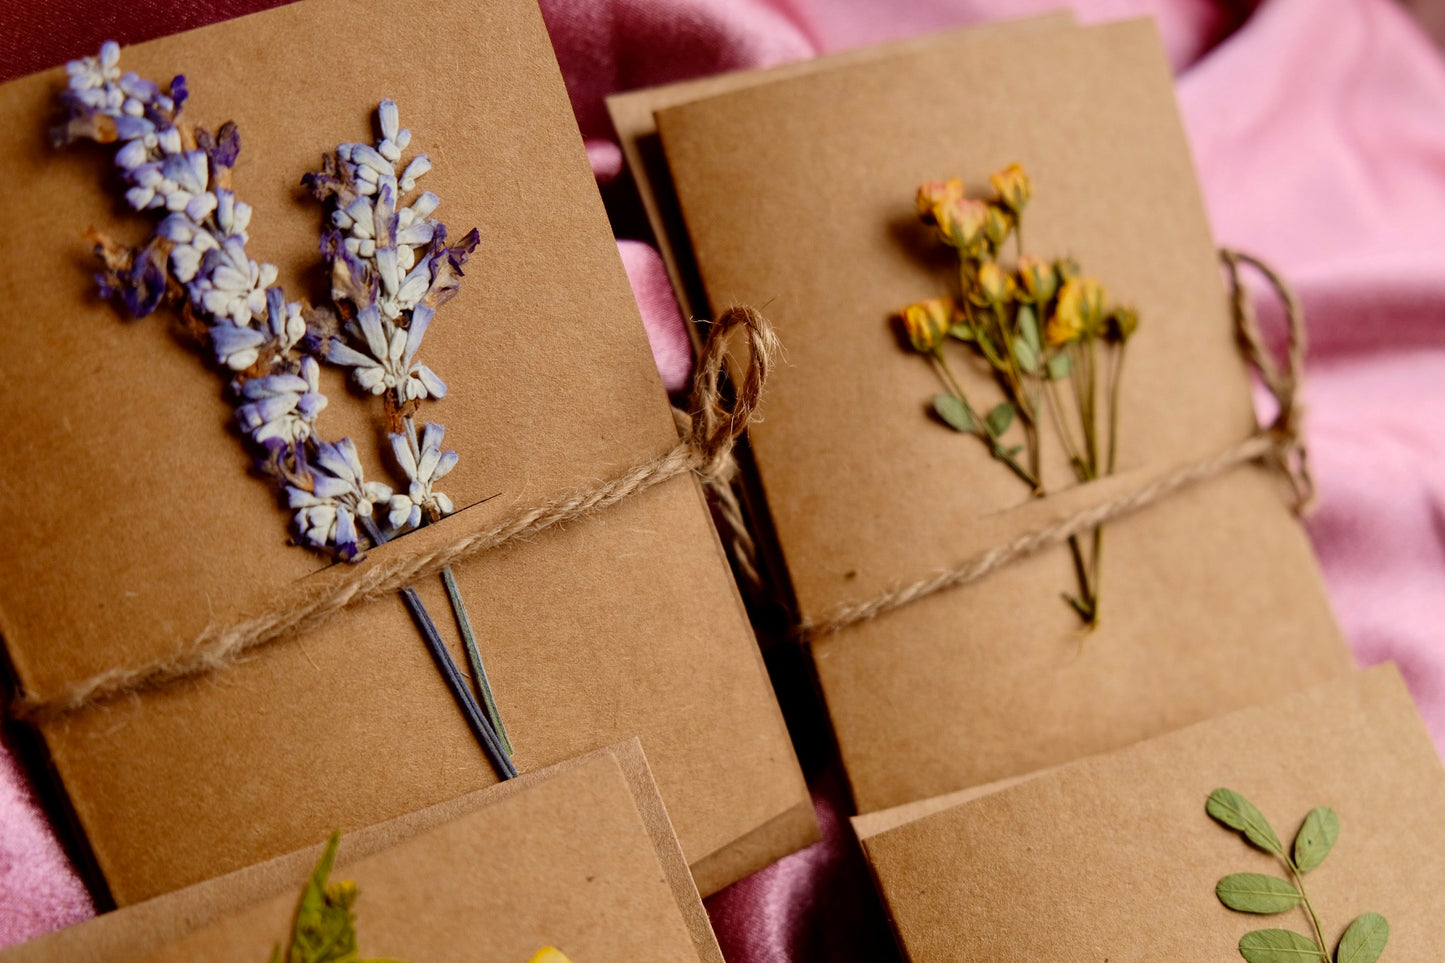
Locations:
(634, 117)
(1115, 857)
(144, 527)
(798, 196)
(579, 856)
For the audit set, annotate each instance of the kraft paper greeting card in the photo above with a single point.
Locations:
(579, 857)
(267, 215)
(957, 244)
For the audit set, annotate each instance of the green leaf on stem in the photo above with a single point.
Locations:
(1231, 809)
(1257, 893)
(1364, 940)
(1278, 946)
(1060, 367)
(1027, 358)
(1315, 838)
(1000, 418)
(954, 413)
(961, 332)
(1029, 329)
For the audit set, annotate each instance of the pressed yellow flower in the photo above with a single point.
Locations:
(962, 221)
(934, 194)
(994, 284)
(927, 323)
(1121, 324)
(1013, 186)
(1079, 312)
(997, 222)
(1039, 280)
(550, 954)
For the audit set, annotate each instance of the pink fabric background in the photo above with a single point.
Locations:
(1319, 131)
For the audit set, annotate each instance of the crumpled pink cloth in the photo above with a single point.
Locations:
(1318, 128)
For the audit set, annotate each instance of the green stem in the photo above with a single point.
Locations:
(464, 625)
(1299, 884)
(1065, 433)
(1115, 378)
(982, 430)
(474, 659)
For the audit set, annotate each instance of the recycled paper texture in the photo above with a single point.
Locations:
(142, 525)
(1114, 857)
(799, 195)
(579, 856)
(633, 115)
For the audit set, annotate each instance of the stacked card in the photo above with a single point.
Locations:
(1115, 857)
(579, 856)
(795, 188)
(143, 526)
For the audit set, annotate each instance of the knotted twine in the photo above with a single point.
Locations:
(711, 426)
(709, 429)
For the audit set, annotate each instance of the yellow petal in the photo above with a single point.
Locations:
(550, 954)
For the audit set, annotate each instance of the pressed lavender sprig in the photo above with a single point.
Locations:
(198, 260)
(391, 268)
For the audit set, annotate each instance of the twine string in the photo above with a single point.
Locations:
(1278, 444)
(709, 429)
(705, 449)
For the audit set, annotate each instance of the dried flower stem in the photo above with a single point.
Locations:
(474, 659)
(478, 723)
(1002, 314)
(1299, 884)
(982, 430)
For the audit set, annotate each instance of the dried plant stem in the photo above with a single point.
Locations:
(474, 659)
(1065, 433)
(478, 723)
(1299, 884)
(463, 619)
(1116, 371)
(981, 429)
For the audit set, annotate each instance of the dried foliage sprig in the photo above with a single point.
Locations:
(323, 929)
(1044, 333)
(391, 269)
(1363, 940)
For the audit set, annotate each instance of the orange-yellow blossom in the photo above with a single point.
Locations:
(1079, 312)
(927, 323)
(936, 193)
(1013, 186)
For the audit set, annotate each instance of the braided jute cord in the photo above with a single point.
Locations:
(1277, 444)
(712, 427)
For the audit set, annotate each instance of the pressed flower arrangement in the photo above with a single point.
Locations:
(391, 268)
(1045, 334)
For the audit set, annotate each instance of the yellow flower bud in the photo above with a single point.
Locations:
(961, 221)
(1079, 313)
(550, 954)
(1121, 324)
(997, 223)
(934, 194)
(927, 323)
(1013, 186)
(1040, 281)
(995, 284)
